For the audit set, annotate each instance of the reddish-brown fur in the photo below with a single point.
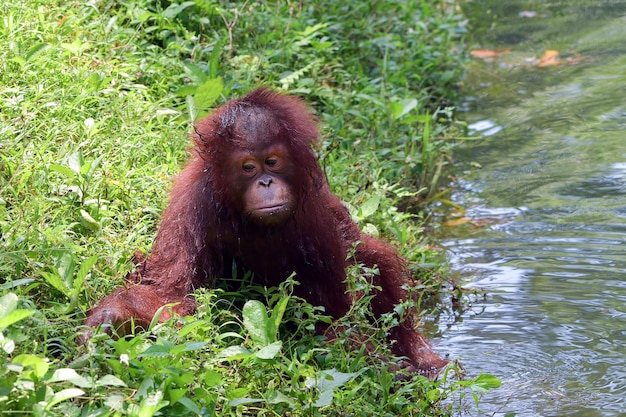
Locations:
(206, 227)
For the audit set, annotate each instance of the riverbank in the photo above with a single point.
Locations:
(97, 101)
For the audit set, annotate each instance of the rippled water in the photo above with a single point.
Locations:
(547, 241)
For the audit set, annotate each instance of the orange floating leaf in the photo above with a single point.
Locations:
(549, 58)
(488, 53)
(550, 54)
(456, 222)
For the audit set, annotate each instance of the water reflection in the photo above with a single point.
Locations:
(484, 127)
(552, 191)
(553, 324)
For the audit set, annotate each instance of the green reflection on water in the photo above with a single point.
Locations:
(556, 274)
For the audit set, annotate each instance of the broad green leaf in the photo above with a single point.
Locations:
(8, 303)
(189, 327)
(278, 397)
(65, 266)
(70, 375)
(255, 320)
(196, 73)
(14, 317)
(408, 105)
(232, 353)
(158, 350)
(62, 169)
(370, 206)
(191, 106)
(85, 266)
(434, 395)
(215, 58)
(395, 109)
(8, 345)
(208, 93)
(89, 222)
(64, 395)
(115, 401)
(212, 378)
(75, 161)
(38, 365)
(270, 351)
(55, 280)
(63, 374)
(190, 405)
(277, 317)
(174, 9)
(110, 381)
(399, 109)
(485, 382)
(370, 229)
(332, 378)
(325, 399)
(175, 394)
(89, 168)
(188, 347)
(151, 404)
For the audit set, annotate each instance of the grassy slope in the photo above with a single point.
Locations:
(95, 102)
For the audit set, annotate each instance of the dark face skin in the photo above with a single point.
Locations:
(263, 178)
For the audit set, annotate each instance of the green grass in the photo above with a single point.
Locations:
(96, 100)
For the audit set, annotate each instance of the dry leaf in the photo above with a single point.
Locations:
(456, 222)
(488, 53)
(549, 58)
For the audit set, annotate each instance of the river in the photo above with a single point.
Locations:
(543, 182)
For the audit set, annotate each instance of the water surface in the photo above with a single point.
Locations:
(547, 242)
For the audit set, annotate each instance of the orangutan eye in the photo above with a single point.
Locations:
(248, 167)
(271, 162)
